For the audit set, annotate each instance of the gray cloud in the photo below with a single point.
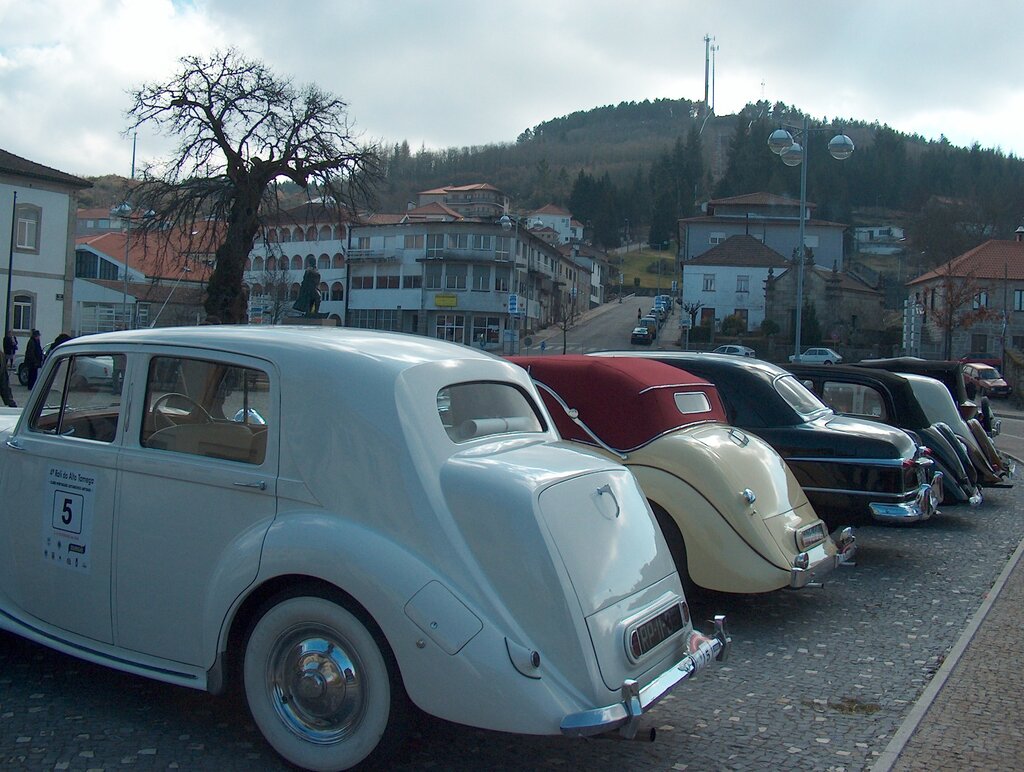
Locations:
(470, 73)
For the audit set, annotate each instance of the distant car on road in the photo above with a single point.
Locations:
(652, 324)
(89, 372)
(642, 335)
(982, 380)
(983, 357)
(818, 356)
(739, 351)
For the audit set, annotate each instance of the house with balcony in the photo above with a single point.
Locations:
(311, 235)
(470, 281)
(771, 219)
(479, 200)
(39, 204)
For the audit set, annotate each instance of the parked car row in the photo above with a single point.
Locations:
(347, 523)
(648, 325)
(733, 513)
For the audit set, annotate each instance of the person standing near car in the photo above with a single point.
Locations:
(5, 389)
(10, 349)
(33, 358)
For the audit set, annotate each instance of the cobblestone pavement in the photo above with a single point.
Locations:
(818, 680)
(975, 719)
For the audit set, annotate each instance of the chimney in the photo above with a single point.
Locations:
(1019, 233)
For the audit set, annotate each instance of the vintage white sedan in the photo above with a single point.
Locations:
(343, 521)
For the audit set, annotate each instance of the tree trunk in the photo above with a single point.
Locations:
(226, 300)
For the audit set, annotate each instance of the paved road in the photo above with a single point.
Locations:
(820, 679)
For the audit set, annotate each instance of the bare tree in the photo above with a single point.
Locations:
(955, 307)
(691, 310)
(240, 128)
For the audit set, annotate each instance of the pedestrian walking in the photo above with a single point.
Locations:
(33, 358)
(10, 349)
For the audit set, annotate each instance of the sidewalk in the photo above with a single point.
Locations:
(971, 715)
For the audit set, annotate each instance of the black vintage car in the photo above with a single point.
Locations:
(846, 465)
(951, 373)
(880, 395)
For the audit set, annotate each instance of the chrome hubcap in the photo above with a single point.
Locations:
(316, 683)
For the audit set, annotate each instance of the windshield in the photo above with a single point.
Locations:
(798, 397)
(989, 374)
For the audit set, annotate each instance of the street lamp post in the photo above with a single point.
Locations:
(781, 143)
(125, 211)
(512, 224)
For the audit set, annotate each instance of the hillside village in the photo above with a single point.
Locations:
(466, 263)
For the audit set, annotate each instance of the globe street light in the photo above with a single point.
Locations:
(781, 143)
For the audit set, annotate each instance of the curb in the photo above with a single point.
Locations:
(892, 751)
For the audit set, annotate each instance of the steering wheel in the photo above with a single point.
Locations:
(195, 410)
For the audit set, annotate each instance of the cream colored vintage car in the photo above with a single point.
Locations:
(342, 521)
(730, 508)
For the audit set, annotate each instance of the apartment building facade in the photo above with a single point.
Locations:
(472, 281)
(39, 230)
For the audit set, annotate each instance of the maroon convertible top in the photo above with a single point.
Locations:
(626, 401)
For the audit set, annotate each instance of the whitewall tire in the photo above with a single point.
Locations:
(318, 684)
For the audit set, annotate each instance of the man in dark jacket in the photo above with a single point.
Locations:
(10, 349)
(33, 358)
(5, 388)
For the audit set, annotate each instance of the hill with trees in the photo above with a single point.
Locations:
(640, 166)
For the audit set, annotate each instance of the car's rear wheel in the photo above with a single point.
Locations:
(321, 684)
(676, 547)
(23, 374)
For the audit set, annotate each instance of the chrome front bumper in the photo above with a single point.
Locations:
(924, 505)
(804, 573)
(625, 715)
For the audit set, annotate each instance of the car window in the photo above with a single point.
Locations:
(480, 409)
(798, 397)
(206, 408)
(854, 399)
(82, 401)
(692, 402)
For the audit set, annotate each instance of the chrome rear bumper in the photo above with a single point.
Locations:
(804, 573)
(924, 505)
(625, 715)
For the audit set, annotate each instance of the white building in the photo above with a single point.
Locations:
(39, 204)
(728, 280)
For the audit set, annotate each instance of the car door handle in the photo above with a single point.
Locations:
(14, 445)
(262, 485)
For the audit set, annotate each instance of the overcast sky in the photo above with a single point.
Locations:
(457, 73)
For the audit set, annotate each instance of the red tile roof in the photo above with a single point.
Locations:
(551, 209)
(156, 255)
(759, 199)
(435, 211)
(995, 259)
(741, 251)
